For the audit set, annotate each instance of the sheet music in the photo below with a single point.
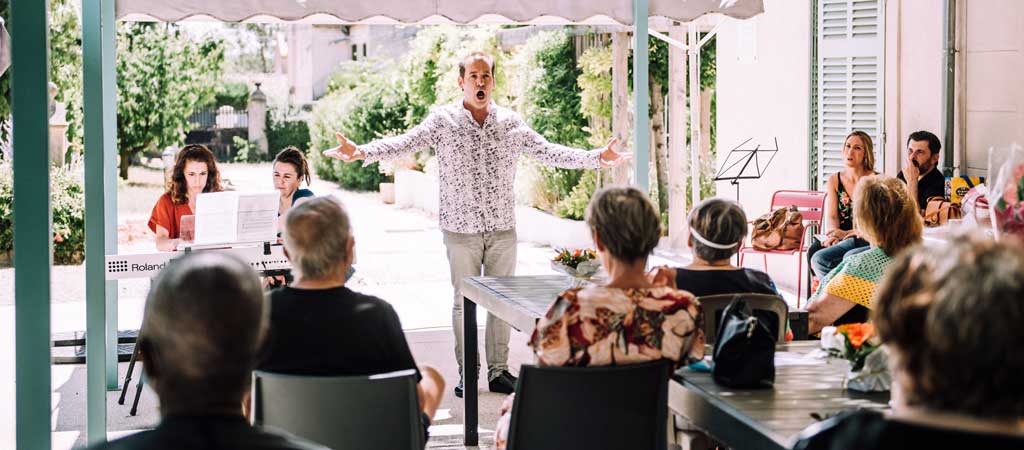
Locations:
(257, 217)
(216, 217)
(232, 217)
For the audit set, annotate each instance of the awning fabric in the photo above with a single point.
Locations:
(430, 11)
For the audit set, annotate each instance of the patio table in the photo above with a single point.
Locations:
(520, 301)
(758, 419)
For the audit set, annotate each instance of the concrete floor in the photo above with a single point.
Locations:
(400, 257)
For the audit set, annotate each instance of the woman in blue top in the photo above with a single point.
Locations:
(290, 169)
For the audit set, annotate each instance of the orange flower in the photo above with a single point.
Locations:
(857, 333)
(58, 238)
(576, 253)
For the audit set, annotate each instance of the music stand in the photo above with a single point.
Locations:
(745, 164)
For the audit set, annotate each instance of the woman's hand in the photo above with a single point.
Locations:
(836, 236)
(662, 276)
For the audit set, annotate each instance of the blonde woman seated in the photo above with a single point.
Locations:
(884, 215)
(625, 229)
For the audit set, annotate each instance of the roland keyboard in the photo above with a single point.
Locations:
(266, 259)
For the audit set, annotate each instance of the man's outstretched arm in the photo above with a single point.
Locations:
(557, 155)
(418, 138)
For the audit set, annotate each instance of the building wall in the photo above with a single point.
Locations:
(990, 96)
(763, 88)
(914, 66)
(993, 59)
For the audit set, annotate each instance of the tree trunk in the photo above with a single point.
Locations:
(659, 152)
(126, 160)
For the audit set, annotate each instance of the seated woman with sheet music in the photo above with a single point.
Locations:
(290, 169)
(195, 171)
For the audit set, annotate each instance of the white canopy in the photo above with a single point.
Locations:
(430, 11)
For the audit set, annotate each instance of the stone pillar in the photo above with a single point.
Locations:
(258, 121)
(168, 156)
(58, 129)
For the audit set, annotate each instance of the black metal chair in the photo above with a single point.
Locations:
(350, 412)
(615, 407)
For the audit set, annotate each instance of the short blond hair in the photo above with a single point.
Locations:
(885, 215)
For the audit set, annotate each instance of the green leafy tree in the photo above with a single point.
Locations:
(65, 66)
(161, 77)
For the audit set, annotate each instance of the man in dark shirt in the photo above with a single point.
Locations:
(920, 170)
(320, 327)
(200, 338)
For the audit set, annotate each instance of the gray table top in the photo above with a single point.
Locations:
(520, 301)
(770, 418)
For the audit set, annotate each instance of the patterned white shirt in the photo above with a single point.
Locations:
(477, 164)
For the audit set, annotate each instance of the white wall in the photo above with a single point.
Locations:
(914, 66)
(994, 92)
(763, 92)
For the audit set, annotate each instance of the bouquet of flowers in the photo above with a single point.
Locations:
(580, 264)
(1006, 196)
(858, 344)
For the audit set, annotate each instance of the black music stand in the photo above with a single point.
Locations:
(746, 164)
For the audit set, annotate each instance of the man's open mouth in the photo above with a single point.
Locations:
(480, 95)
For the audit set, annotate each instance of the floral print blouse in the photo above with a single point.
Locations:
(599, 326)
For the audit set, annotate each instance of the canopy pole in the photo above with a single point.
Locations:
(98, 67)
(33, 235)
(678, 227)
(695, 135)
(641, 96)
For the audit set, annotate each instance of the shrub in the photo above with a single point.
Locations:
(573, 206)
(67, 200)
(234, 94)
(281, 134)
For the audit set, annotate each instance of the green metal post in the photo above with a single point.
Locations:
(641, 98)
(98, 49)
(33, 236)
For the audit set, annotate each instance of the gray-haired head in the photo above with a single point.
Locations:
(625, 222)
(317, 236)
(717, 228)
(202, 330)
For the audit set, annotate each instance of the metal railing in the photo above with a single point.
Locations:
(223, 117)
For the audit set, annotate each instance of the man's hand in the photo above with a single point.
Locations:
(345, 151)
(662, 276)
(612, 158)
(910, 171)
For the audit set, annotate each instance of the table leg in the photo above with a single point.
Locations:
(469, 369)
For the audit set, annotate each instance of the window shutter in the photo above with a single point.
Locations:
(849, 79)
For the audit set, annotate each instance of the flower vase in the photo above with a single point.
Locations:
(577, 276)
(874, 376)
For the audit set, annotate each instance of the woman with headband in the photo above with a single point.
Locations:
(717, 229)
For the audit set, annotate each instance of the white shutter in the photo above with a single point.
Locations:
(849, 91)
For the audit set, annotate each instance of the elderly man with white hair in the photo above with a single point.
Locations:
(318, 326)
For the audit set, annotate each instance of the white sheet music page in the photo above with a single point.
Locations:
(216, 217)
(257, 216)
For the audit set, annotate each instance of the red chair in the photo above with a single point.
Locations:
(812, 206)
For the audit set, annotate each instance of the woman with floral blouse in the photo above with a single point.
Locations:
(627, 321)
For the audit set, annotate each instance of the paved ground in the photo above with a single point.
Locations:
(399, 257)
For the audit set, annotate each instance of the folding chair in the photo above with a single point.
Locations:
(770, 309)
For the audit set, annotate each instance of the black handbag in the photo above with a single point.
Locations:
(744, 349)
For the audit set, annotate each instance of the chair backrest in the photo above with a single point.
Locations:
(810, 203)
(350, 412)
(615, 407)
(770, 309)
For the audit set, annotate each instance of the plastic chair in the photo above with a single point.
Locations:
(614, 407)
(812, 206)
(350, 412)
(770, 309)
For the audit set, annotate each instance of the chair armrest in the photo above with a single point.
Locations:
(798, 324)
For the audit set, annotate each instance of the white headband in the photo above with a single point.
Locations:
(708, 243)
